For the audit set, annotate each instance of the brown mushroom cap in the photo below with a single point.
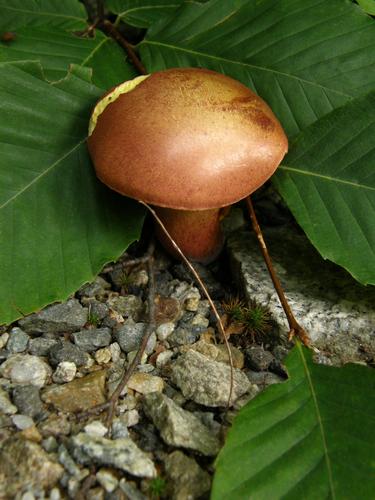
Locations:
(189, 139)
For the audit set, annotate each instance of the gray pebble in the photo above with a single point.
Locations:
(41, 345)
(130, 335)
(50, 444)
(67, 317)
(6, 405)
(95, 289)
(258, 359)
(91, 339)
(66, 351)
(123, 454)
(27, 399)
(17, 341)
(185, 478)
(179, 427)
(205, 381)
(182, 336)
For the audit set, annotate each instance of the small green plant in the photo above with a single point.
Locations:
(92, 318)
(253, 320)
(125, 281)
(157, 487)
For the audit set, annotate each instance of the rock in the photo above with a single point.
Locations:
(258, 359)
(17, 341)
(55, 426)
(26, 369)
(78, 395)
(6, 405)
(95, 289)
(131, 491)
(337, 312)
(96, 429)
(188, 296)
(123, 454)
(218, 352)
(50, 444)
(115, 351)
(205, 381)
(24, 466)
(179, 427)
(130, 334)
(214, 288)
(182, 336)
(27, 399)
(129, 306)
(119, 429)
(130, 418)
(186, 480)
(103, 356)
(66, 351)
(93, 338)
(263, 379)
(69, 464)
(164, 330)
(106, 478)
(238, 358)
(167, 310)
(65, 372)
(22, 422)
(164, 358)
(40, 346)
(145, 383)
(67, 317)
(97, 311)
(4, 337)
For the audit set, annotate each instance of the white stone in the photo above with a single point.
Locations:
(26, 369)
(164, 330)
(107, 480)
(65, 372)
(4, 339)
(163, 358)
(96, 429)
(115, 351)
(103, 356)
(22, 421)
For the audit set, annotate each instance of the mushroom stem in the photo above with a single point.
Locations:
(197, 232)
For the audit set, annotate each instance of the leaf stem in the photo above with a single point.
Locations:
(295, 328)
(111, 30)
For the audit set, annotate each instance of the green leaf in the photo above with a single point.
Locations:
(328, 181)
(68, 14)
(310, 437)
(142, 13)
(304, 57)
(368, 6)
(57, 49)
(58, 224)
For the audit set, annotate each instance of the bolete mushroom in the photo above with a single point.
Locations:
(190, 142)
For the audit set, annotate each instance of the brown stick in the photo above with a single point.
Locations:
(116, 35)
(204, 289)
(295, 328)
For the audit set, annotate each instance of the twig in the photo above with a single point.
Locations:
(295, 328)
(116, 35)
(204, 289)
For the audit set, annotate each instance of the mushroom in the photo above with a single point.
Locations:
(190, 142)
